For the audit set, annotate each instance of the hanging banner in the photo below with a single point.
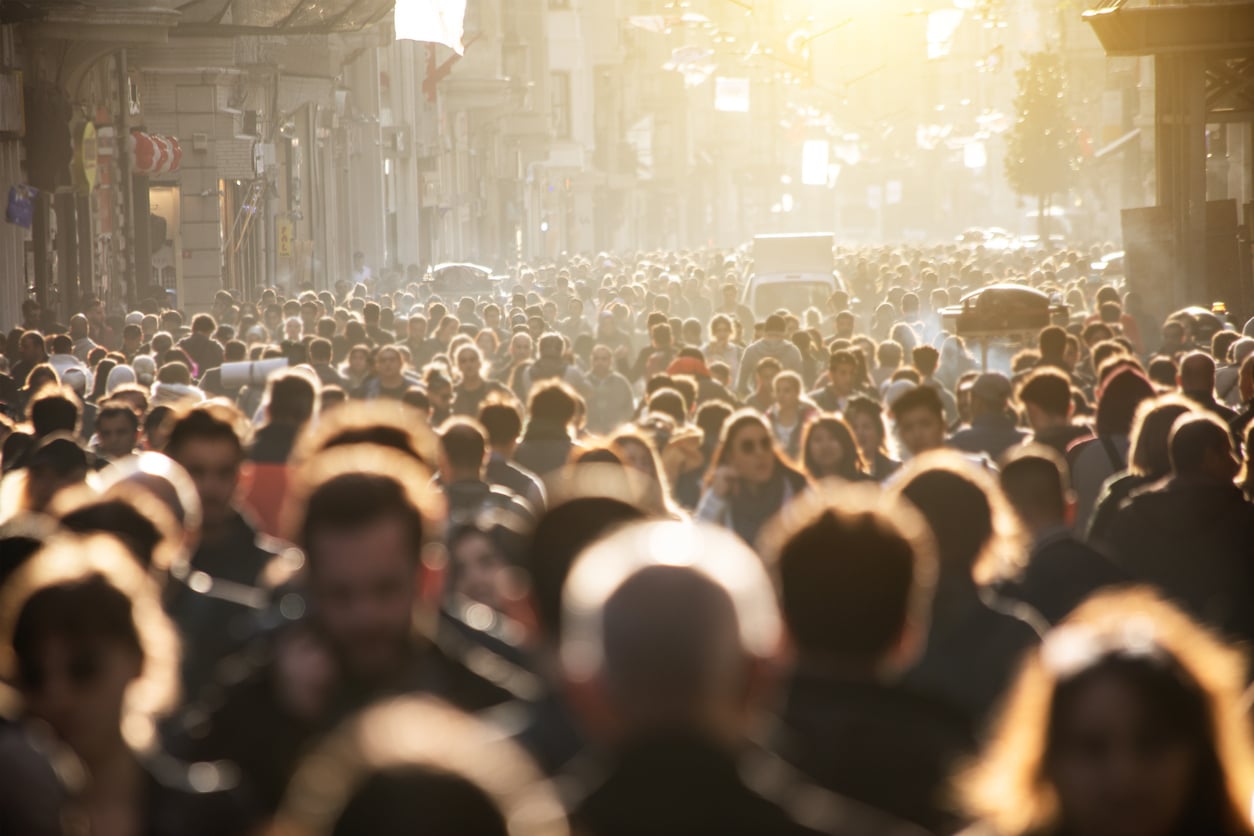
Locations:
(285, 233)
(431, 21)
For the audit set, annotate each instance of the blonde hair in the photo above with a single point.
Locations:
(1008, 787)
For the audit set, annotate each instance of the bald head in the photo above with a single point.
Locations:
(1197, 374)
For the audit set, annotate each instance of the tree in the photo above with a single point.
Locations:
(1043, 151)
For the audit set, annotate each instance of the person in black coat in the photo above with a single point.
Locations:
(669, 662)
(856, 574)
(1061, 571)
(1191, 535)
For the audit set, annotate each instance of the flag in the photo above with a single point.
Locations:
(432, 21)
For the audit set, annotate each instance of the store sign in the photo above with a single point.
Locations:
(285, 233)
(86, 159)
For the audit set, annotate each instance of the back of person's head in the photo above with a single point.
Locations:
(1035, 481)
(670, 403)
(889, 353)
(925, 359)
(54, 409)
(856, 571)
(176, 373)
(560, 534)
(966, 511)
(320, 350)
(1148, 453)
(553, 402)
(464, 443)
(1049, 391)
(1053, 342)
(1198, 443)
(1197, 373)
(1162, 372)
(203, 324)
(775, 325)
(291, 399)
(1117, 401)
(502, 422)
(61, 344)
(675, 644)
(129, 513)
(383, 423)
(416, 765)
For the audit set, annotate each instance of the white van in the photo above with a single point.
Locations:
(791, 272)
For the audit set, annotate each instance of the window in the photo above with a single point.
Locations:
(559, 104)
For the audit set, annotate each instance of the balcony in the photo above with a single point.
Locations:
(279, 17)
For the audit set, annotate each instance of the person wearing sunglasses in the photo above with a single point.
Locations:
(85, 642)
(749, 479)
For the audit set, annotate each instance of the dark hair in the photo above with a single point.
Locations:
(214, 421)
(958, 512)
(553, 401)
(1049, 390)
(54, 409)
(84, 611)
(1193, 436)
(559, 536)
(501, 421)
(850, 580)
(920, 397)
(841, 357)
(115, 408)
(350, 501)
(669, 402)
(203, 324)
(463, 442)
(438, 803)
(852, 466)
(1035, 480)
(292, 398)
(1117, 400)
(862, 405)
(925, 359)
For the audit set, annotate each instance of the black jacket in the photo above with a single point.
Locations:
(686, 786)
(883, 745)
(1194, 541)
(1061, 573)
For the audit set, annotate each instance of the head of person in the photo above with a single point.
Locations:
(1200, 448)
(1053, 345)
(389, 365)
(291, 398)
(415, 764)
(1046, 398)
(866, 419)
(1126, 720)
(670, 639)
(1036, 483)
(203, 325)
(830, 449)
(56, 463)
(464, 445)
(748, 448)
(117, 429)
(977, 536)
(54, 409)
(765, 372)
(1149, 454)
(32, 348)
(84, 638)
(920, 419)
(842, 367)
(1118, 398)
(554, 403)
(775, 327)
(856, 573)
(470, 363)
(720, 328)
(990, 395)
(787, 389)
(208, 441)
(363, 515)
(1197, 374)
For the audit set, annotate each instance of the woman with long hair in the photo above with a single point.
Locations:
(1128, 720)
(829, 449)
(750, 479)
(790, 412)
(638, 454)
(866, 419)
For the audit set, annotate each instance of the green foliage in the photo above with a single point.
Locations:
(1043, 152)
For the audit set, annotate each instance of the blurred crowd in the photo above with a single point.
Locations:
(595, 548)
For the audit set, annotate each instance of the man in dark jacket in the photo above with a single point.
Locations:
(992, 430)
(1046, 399)
(666, 657)
(1191, 535)
(204, 350)
(1062, 571)
(503, 424)
(362, 529)
(855, 574)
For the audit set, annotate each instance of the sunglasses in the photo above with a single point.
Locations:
(750, 446)
(83, 668)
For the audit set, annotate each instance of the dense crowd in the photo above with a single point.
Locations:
(594, 548)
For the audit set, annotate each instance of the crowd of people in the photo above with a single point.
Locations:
(597, 549)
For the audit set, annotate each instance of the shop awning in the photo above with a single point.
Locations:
(153, 154)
